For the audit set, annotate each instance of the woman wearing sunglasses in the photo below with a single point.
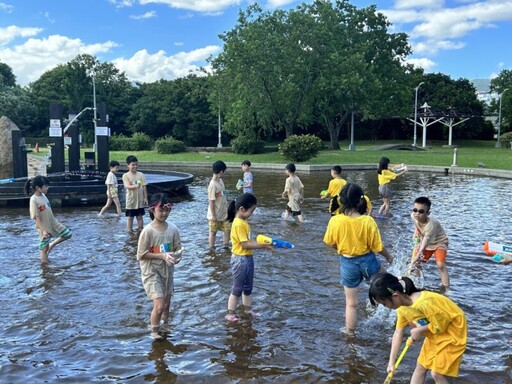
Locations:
(431, 239)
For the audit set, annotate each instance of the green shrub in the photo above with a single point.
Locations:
(169, 144)
(138, 142)
(506, 139)
(247, 144)
(299, 148)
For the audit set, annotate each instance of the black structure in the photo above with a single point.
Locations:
(56, 133)
(102, 138)
(19, 155)
(72, 136)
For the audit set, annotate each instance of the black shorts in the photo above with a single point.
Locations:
(135, 212)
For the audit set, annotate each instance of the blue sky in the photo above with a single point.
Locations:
(154, 39)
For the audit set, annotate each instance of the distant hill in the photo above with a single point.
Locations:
(482, 85)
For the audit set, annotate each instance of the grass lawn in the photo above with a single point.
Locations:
(470, 155)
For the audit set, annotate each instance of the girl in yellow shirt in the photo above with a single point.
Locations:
(433, 317)
(385, 176)
(242, 262)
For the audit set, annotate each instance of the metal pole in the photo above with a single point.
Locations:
(498, 142)
(219, 145)
(94, 110)
(416, 113)
(352, 146)
(454, 157)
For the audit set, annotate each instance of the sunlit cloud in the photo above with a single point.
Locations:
(196, 5)
(6, 8)
(147, 15)
(36, 56)
(12, 32)
(427, 64)
(146, 68)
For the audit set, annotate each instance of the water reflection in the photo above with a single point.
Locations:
(84, 316)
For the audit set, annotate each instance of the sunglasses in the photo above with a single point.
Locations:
(167, 206)
(420, 211)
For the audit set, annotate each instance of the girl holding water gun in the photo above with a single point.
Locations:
(242, 262)
(385, 176)
(433, 317)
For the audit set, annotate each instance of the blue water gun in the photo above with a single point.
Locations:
(499, 257)
(261, 239)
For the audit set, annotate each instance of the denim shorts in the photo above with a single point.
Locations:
(242, 271)
(354, 269)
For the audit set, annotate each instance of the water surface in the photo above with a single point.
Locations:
(84, 317)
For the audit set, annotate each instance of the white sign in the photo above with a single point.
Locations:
(101, 131)
(55, 132)
(67, 140)
(54, 123)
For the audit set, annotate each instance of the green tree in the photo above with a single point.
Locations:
(7, 78)
(177, 108)
(500, 84)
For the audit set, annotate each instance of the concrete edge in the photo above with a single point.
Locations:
(454, 170)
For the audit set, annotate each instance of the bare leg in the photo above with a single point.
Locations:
(247, 301)
(211, 239)
(118, 206)
(351, 308)
(156, 315)
(107, 205)
(300, 218)
(129, 223)
(140, 223)
(418, 377)
(445, 280)
(438, 378)
(225, 239)
(43, 254)
(56, 242)
(232, 302)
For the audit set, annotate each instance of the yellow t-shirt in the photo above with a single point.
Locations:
(446, 340)
(386, 176)
(335, 186)
(240, 232)
(353, 236)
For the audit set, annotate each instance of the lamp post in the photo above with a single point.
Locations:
(219, 144)
(94, 109)
(416, 113)
(498, 142)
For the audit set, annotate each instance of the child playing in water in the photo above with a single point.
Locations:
(248, 178)
(356, 238)
(242, 262)
(135, 185)
(112, 189)
(334, 189)
(432, 316)
(159, 249)
(432, 239)
(41, 211)
(217, 214)
(294, 190)
(385, 176)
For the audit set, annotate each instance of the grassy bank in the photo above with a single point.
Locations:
(471, 154)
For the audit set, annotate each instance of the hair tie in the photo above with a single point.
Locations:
(402, 283)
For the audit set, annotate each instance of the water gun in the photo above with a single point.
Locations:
(240, 184)
(323, 193)
(5, 181)
(399, 168)
(261, 239)
(498, 252)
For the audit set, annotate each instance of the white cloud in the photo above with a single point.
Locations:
(278, 3)
(406, 4)
(145, 67)
(6, 7)
(147, 15)
(36, 56)
(12, 32)
(425, 63)
(433, 46)
(195, 5)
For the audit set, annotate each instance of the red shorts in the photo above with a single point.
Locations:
(439, 255)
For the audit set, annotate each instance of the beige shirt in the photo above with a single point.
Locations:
(431, 233)
(134, 197)
(40, 207)
(216, 193)
(294, 189)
